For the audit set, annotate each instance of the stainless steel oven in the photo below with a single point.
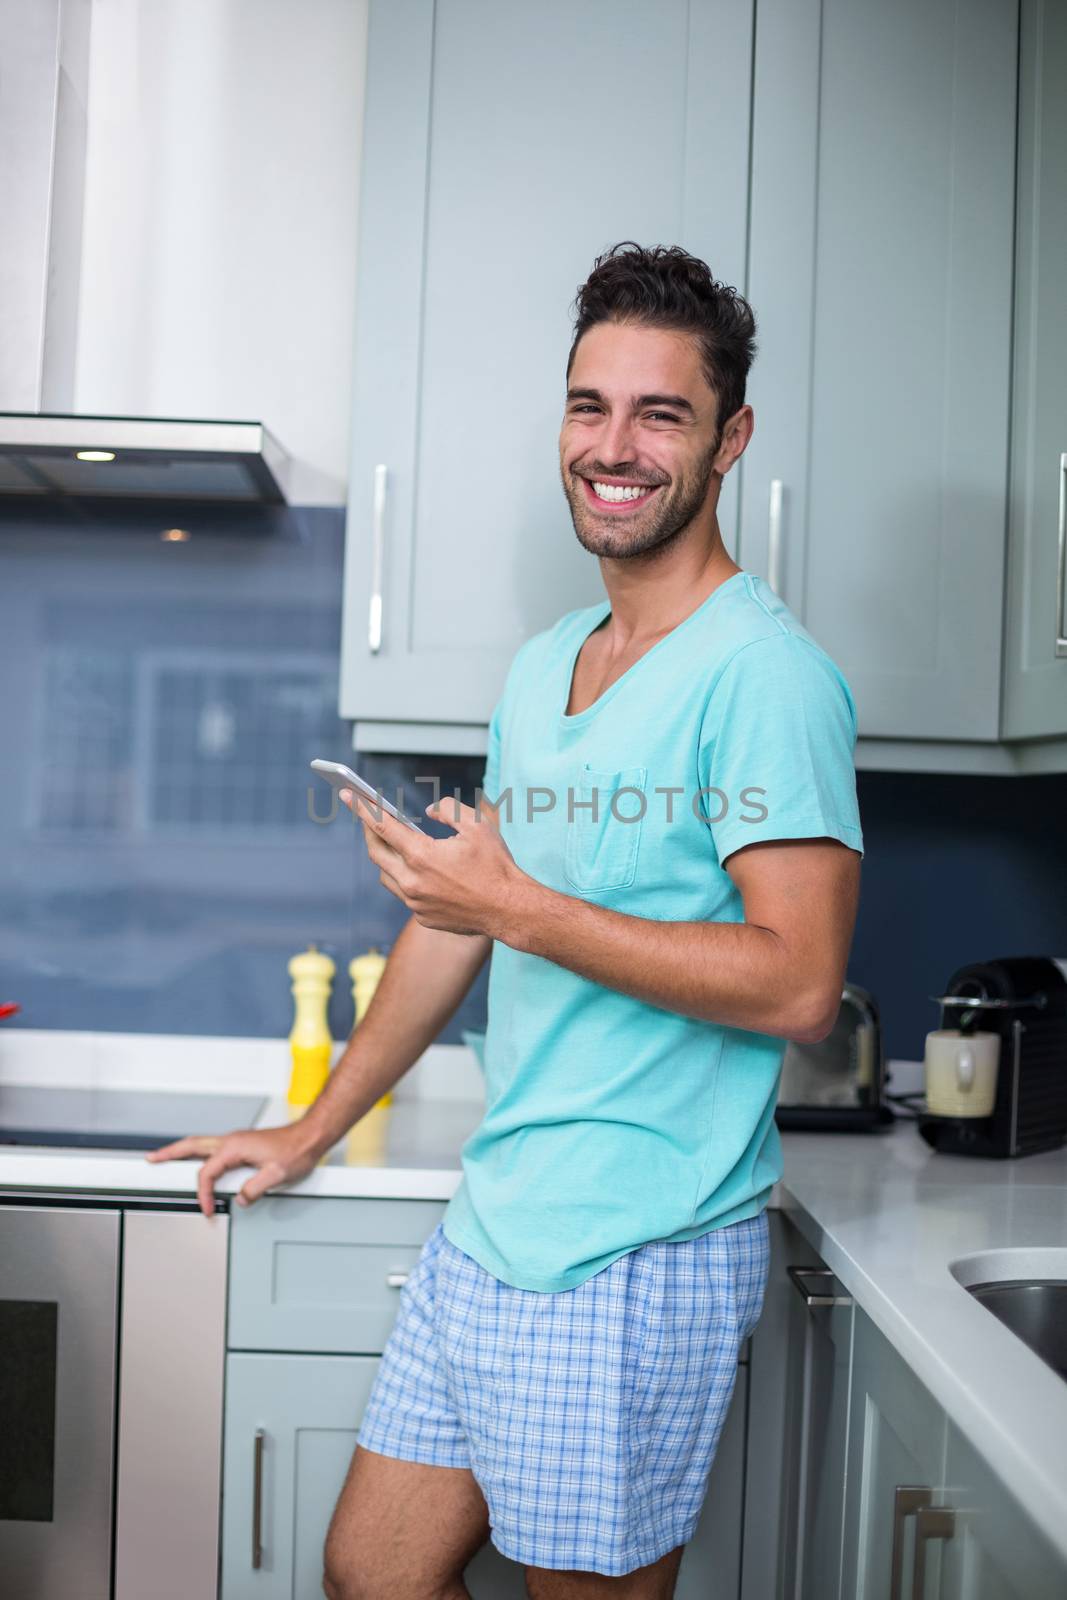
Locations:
(112, 1349)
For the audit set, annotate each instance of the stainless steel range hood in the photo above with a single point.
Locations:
(43, 131)
(43, 455)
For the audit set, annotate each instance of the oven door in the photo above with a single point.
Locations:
(59, 1276)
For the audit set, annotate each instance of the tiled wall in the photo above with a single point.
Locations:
(158, 866)
(162, 701)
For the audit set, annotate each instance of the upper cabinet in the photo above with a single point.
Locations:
(883, 189)
(1035, 675)
(883, 181)
(505, 147)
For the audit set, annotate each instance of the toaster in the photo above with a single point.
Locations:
(837, 1085)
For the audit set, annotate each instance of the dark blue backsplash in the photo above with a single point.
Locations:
(157, 862)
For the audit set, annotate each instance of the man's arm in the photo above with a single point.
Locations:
(780, 972)
(427, 974)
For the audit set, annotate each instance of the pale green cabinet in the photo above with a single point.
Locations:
(505, 147)
(1035, 675)
(875, 486)
(990, 1548)
(291, 1426)
(800, 1363)
(896, 1456)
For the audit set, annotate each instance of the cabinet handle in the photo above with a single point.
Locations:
(257, 1501)
(774, 536)
(798, 1274)
(931, 1522)
(1061, 573)
(374, 621)
(396, 1280)
(907, 1499)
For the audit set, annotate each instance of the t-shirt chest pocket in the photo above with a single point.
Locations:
(605, 812)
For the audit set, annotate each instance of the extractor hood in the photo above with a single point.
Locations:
(43, 455)
(47, 451)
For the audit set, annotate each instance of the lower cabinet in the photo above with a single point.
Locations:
(309, 1276)
(798, 1427)
(291, 1427)
(896, 1457)
(990, 1548)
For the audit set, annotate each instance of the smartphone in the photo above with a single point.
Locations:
(344, 778)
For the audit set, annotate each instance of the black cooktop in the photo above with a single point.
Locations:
(117, 1119)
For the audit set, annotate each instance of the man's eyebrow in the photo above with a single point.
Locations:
(677, 401)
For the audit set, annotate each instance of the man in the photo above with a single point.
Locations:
(668, 888)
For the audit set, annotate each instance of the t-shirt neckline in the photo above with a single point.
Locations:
(604, 609)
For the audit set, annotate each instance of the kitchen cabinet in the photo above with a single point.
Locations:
(900, 189)
(882, 204)
(990, 1550)
(798, 1427)
(1035, 677)
(314, 1289)
(896, 1456)
(503, 151)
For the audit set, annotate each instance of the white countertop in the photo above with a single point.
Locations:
(884, 1211)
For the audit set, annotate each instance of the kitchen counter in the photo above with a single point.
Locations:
(884, 1211)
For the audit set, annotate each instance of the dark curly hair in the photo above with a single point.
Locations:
(666, 287)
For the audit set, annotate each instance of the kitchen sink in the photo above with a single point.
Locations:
(1026, 1290)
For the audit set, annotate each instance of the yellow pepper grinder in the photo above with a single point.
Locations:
(310, 1041)
(365, 972)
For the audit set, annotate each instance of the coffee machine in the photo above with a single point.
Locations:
(1023, 999)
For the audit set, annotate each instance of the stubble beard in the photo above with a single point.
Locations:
(655, 528)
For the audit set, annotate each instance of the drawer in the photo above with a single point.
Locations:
(322, 1275)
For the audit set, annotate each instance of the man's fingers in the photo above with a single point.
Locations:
(264, 1179)
(457, 815)
(395, 834)
(197, 1144)
(222, 1161)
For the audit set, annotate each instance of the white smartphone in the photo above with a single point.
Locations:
(344, 778)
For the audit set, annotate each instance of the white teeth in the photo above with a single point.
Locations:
(618, 491)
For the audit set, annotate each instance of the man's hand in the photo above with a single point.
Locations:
(468, 883)
(281, 1154)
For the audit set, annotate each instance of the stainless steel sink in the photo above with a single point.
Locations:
(1036, 1312)
(1026, 1290)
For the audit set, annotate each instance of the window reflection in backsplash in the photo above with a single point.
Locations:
(158, 866)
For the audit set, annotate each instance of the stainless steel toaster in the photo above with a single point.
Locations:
(838, 1083)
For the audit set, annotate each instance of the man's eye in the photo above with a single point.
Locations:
(662, 416)
(576, 409)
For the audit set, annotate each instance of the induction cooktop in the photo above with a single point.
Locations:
(117, 1119)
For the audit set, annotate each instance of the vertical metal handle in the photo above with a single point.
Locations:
(907, 1499)
(257, 1500)
(374, 621)
(1061, 572)
(931, 1522)
(774, 536)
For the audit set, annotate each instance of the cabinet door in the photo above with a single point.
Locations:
(711, 1566)
(896, 1442)
(1035, 676)
(994, 1552)
(305, 1413)
(820, 1355)
(881, 277)
(505, 146)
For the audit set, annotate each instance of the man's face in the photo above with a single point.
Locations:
(639, 439)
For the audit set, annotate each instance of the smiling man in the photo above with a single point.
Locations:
(668, 887)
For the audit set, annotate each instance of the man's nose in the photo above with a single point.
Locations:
(616, 444)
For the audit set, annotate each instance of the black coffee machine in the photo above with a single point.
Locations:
(1024, 1000)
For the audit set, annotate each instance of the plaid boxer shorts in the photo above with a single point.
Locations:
(589, 1417)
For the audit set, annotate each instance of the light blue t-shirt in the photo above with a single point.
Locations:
(611, 1122)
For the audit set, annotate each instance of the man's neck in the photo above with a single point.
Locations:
(652, 594)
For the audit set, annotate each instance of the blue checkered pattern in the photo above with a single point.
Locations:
(590, 1417)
